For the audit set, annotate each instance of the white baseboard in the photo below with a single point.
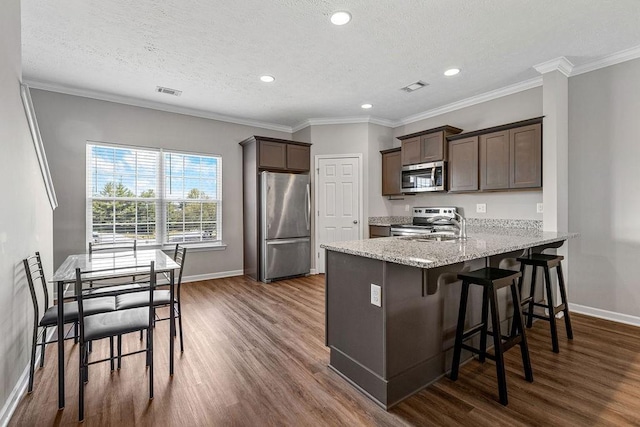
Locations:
(209, 276)
(21, 386)
(313, 271)
(605, 314)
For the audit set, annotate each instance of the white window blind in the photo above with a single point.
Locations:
(152, 196)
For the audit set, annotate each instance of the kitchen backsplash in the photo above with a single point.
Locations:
(389, 220)
(531, 224)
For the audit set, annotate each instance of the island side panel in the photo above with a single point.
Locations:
(355, 327)
(420, 327)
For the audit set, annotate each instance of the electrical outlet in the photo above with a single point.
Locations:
(407, 208)
(481, 208)
(539, 208)
(376, 295)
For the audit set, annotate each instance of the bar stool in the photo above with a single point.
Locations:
(546, 262)
(491, 279)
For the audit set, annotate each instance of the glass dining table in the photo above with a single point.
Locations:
(109, 265)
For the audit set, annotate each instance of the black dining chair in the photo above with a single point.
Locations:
(34, 272)
(94, 327)
(162, 297)
(113, 247)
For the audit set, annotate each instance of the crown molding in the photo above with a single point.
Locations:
(607, 61)
(561, 64)
(85, 93)
(474, 100)
(344, 121)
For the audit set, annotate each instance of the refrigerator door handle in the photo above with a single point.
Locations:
(308, 207)
(286, 241)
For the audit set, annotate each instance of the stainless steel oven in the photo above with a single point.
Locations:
(424, 177)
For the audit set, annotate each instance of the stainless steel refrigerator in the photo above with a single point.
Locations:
(285, 210)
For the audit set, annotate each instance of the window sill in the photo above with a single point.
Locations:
(198, 247)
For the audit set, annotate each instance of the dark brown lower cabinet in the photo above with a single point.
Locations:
(463, 164)
(379, 231)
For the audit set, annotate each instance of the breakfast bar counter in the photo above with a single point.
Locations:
(392, 303)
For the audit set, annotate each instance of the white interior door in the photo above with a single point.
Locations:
(338, 209)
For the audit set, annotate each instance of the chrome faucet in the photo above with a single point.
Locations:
(461, 223)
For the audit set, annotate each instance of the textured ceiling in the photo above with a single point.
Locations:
(215, 51)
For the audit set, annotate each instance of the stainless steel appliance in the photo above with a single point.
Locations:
(285, 215)
(424, 177)
(423, 221)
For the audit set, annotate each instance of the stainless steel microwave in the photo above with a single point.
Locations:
(424, 177)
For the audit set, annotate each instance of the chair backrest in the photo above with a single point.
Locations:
(179, 256)
(34, 271)
(112, 247)
(83, 295)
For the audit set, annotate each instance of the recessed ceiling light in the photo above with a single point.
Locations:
(452, 72)
(340, 18)
(366, 106)
(267, 79)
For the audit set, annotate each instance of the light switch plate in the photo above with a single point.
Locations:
(539, 208)
(376, 295)
(481, 208)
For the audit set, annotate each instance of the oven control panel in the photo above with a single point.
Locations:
(430, 212)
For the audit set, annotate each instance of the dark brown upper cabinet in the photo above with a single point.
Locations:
(298, 157)
(494, 161)
(275, 154)
(463, 164)
(511, 158)
(510, 155)
(392, 172)
(426, 146)
(411, 151)
(525, 144)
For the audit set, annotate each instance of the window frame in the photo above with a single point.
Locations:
(161, 201)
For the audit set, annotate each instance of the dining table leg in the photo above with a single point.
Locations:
(172, 320)
(60, 345)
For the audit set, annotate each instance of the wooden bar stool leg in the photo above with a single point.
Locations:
(532, 293)
(514, 327)
(551, 309)
(524, 346)
(497, 345)
(457, 349)
(484, 320)
(563, 295)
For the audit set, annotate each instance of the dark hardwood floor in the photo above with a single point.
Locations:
(255, 355)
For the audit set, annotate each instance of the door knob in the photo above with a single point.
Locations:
(355, 221)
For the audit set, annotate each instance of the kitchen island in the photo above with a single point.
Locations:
(392, 341)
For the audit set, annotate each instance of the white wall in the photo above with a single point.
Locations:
(512, 205)
(25, 216)
(380, 138)
(68, 122)
(604, 188)
(335, 139)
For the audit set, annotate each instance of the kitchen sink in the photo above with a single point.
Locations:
(434, 237)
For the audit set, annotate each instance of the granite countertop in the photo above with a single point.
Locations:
(482, 242)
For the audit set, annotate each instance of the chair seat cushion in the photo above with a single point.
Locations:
(141, 299)
(114, 323)
(91, 306)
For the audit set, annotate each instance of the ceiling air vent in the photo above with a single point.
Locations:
(168, 91)
(415, 86)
